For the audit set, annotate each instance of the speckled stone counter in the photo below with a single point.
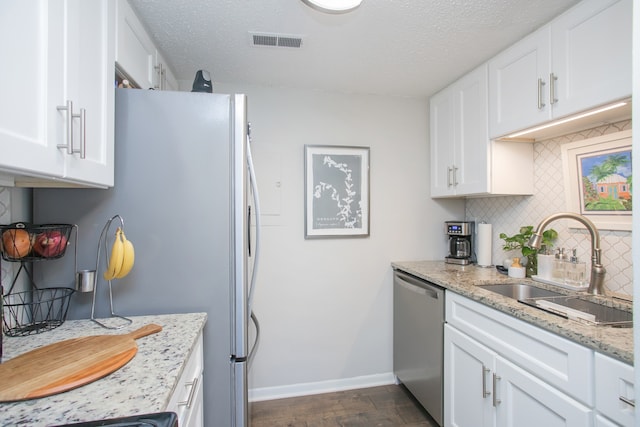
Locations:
(144, 385)
(468, 281)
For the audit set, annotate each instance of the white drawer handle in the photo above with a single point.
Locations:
(630, 402)
(192, 393)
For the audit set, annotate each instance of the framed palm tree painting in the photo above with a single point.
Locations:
(598, 179)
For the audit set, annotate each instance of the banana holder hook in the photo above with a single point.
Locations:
(103, 238)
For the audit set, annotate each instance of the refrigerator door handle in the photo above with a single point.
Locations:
(249, 230)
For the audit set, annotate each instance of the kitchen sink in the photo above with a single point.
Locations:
(520, 291)
(581, 307)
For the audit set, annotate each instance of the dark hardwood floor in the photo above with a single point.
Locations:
(390, 405)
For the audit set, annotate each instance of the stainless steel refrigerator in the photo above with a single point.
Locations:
(183, 188)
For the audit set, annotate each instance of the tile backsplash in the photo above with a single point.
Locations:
(508, 214)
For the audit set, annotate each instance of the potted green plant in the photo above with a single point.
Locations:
(521, 241)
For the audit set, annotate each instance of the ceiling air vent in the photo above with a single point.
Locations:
(275, 40)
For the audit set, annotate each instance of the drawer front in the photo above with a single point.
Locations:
(615, 397)
(186, 392)
(564, 364)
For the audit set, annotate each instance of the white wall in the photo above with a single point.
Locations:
(325, 306)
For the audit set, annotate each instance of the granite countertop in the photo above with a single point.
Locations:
(467, 281)
(144, 385)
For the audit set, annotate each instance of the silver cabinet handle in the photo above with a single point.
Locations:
(158, 69)
(552, 88)
(449, 170)
(83, 134)
(455, 176)
(192, 393)
(541, 104)
(161, 73)
(630, 402)
(69, 125)
(496, 401)
(485, 393)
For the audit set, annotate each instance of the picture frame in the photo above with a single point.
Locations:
(597, 176)
(336, 191)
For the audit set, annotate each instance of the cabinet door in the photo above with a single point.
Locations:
(471, 157)
(195, 415)
(523, 400)
(591, 48)
(615, 395)
(31, 85)
(135, 52)
(518, 85)
(164, 78)
(442, 123)
(90, 58)
(468, 369)
(601, 421)
(187, 398)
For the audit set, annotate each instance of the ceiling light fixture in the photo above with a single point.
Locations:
(569, 119)
(333, 6)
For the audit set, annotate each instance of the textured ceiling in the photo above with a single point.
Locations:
(398, 47)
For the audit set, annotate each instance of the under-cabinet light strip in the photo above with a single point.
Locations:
(568, 119)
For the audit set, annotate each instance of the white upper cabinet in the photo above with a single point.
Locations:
(90, 53)
(137, 57)
(591, 55)
(135, 52)
(56, 113)
(459, 143)
(464, 162)
(580, 60)
(31, 87)
(517, 82)
(164, 78)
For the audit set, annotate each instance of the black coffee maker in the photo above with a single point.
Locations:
(461, 249)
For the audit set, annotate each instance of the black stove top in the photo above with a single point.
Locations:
(160, 419)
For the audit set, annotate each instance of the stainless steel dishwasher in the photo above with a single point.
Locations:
(418, 340)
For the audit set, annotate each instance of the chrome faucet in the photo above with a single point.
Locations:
(596, 282)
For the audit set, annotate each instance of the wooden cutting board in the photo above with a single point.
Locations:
(67, 364)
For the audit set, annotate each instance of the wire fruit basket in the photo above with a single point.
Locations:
(37, 309)
(26, 242)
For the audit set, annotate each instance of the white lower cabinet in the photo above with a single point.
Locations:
(501, 371)
(524, 400)
(187, 399)
(468, 368)
(483, 389)
(615, 397)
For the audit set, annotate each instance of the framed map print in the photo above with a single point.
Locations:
(336, 191)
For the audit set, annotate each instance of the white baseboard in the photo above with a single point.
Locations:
(305, 389)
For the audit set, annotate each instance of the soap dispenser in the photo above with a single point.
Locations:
(558, 270)
(517, 270)
(575, 271)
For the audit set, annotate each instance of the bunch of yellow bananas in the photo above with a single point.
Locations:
(122, 257)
